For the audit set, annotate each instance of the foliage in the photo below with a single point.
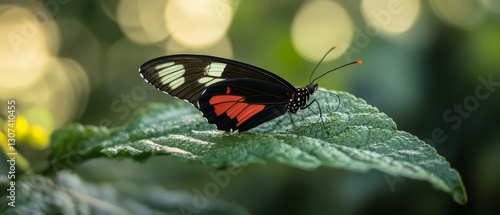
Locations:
(354, 136)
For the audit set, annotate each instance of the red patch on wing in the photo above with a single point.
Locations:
(234, 107)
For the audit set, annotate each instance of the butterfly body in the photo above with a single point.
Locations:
(299, 100)
(232, 95)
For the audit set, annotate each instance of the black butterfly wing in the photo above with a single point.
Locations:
(187, 76)
(242, 103)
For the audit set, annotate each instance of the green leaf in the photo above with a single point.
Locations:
(355, 136)
(68, 194)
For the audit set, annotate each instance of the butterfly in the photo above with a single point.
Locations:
(234, 96)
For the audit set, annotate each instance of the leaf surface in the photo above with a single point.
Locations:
(355, 136)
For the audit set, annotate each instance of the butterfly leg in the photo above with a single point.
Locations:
(314, 112)
(319, 108)
(293, 124)
(320, 113)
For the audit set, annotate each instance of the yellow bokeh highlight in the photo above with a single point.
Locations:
(318, 26)
(195, 24)
(463, 14)
(198, 24)
(222, 48)
(35, 135)
(31, 72)
(127, 13)
(151, 19)
(69, 103)
(391, 16)
(21, 128)
(142, 20)
(38, 137)
(26, 44)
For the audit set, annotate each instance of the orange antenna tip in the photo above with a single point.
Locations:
(358, 61)
(334, 47)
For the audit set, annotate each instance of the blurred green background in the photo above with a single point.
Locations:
(426, 63)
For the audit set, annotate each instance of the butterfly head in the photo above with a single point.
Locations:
(311, 88)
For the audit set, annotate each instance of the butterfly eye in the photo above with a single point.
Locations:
(311, 88)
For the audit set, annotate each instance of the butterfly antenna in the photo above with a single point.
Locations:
(328, 52)
(354, 62)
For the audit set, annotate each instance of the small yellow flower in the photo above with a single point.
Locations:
(32, 134)
(21, 128)
(38, 137)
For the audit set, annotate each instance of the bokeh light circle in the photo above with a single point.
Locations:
(26, 43)
(390, 16)
(318, 26)
(463, 14)
(492, 5)
(142, 20)
(223, 48)
(198, 23)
